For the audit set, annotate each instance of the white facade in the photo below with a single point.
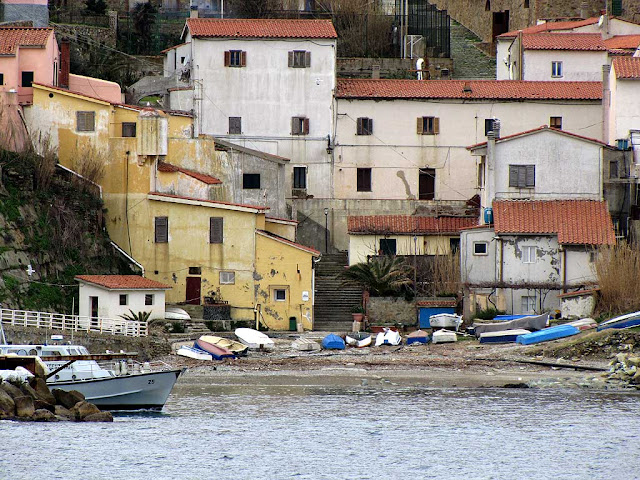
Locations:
(624, 114)
(396, 152)
(109, 301)
(577, 66)
(266, 93)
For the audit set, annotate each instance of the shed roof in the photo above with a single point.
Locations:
(123, 282)
(260, 28)
(169, 168)
(627, 67)
(407, 224)
(553, 26)
(564, 41)
(11, 38)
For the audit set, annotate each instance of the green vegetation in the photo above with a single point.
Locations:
(488, 313)
(136, 316)
(381, 277)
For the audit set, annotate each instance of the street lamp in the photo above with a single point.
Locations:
(326, 230)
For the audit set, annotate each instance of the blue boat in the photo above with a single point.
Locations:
(547, 334)
(332, 342)
(506, 318)
(502, 336)
(624, 321)
(417, 337)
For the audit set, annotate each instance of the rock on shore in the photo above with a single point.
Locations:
(625, 370)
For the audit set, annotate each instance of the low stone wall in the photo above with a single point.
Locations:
(147, 348)
(391, 310)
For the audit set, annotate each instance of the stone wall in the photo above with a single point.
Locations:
(389, 67)
(391, 310)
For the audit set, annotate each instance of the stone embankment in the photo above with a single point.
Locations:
(625, 370)
(33, 401)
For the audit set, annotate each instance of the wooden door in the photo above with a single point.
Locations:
(193, 290)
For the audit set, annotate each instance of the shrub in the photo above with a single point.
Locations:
(618, 271)
(488, 313)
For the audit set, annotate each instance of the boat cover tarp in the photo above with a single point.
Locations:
(530, 322)
(418, 336)
(551, 333)
(332, 342)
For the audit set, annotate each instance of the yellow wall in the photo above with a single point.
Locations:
(279, 265)
(362, 245)
(281, 229)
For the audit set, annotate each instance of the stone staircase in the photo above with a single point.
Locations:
(469, 61)
(334, 301)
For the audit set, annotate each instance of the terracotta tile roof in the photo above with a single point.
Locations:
(213, 202)
(578, 293)
(576, 222)
(479, 89)
(540, 129)
(623, 41)
(208, 179)
(408, 224)
(564, 41)
(119, 282)
(627, 67)
(553, 26)
(13, 37)
(288, 242)
(175, 46)
(260, 28)
(436, 303)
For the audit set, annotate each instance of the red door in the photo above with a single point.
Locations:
(193, 290)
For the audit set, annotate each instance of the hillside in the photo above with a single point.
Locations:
(53, 221)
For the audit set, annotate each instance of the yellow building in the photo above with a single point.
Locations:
(172, 204)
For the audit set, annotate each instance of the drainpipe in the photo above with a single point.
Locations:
(129, 257)
(606, 102)
(564, 271)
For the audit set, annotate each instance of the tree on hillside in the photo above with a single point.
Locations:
(96, 7)
(252, 8)
(144, 17)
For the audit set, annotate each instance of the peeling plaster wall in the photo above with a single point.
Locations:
(360, 246)
(579, 306)
(547, 267)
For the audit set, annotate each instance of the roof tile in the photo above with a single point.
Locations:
(260, 28)
(553, 26)
(408, 224)
(540, 129)
(474, 89)
(564, 41)
(623, 41)
(576, 222)
(129, 282)
(208, 179)
(627, 67)
(13, 37)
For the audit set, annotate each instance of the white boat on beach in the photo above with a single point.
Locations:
(444, 336)
(254, 339)
(358, 339)
(176, 313)
(305, 345)
(445, 320)
(388, 337)
(121, 386)
(193, 352)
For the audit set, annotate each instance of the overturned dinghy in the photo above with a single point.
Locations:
(551, 333)
(503, 336)
(444, 336)
(445, 320)
(193, 352)
(254, 339)
(624, 321)
(417, 337)
(358, 339)
(333, 342)
(530, 322)
(305, 345)
(388, 337)
(236, 348)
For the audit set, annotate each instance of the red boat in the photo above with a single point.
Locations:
(218, 353)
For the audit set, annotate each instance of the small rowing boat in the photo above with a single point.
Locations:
(546, 334)
(193, 352)
(305, 345)
(237, 348)
(417, 337)
(624, 321)
(333, 342)
(218, 353)
(254, 339)
(444, 336)
(358, 339)
(503, 336)
(445, 320)
(388, 337)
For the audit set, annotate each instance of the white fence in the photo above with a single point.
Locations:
(58, 321)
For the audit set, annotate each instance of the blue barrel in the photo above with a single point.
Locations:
(488, 215)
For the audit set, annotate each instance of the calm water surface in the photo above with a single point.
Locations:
(278, 432)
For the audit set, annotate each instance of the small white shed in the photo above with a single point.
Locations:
(109, 296)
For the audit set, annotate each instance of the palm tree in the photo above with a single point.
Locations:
(382, 276)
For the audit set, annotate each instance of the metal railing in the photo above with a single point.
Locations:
(76, 323)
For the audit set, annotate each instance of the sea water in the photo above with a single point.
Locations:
(209, 430)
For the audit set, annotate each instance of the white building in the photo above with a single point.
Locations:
(533, 252)
(110, 296)
(265, 84)
(624, 112)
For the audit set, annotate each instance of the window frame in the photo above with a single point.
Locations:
(216, 230)
(275, 294)
(299, 126)
(520, 179)
(364, 126)
(22, 79)
(231, 277)
(82, 119)
(299, 59)
(148, 299)
(432, 125)
(159, 235)
(531, 255)
(556, 69)
(129, 125)
(296, 178)
(363, 179)
(555, 122)
(235, 125)
(235, 58)
(249, 181)
(486, 248)
(123, 299)
(530, 301)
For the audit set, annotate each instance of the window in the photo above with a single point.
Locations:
(428, 125)
(123, 299)
(529, 254)
(454, 245)
(556, 69)
(227, 278)
(526, 3)
(613, 169)
(250, 181)
(279, 294)
(194, 271)
(364, 180)
(85, 121)
(1, 78)
(148, 299)
(522, 176)
(299, 177)
(481, 172)
(235, 125)
(388, 246)
(528, 304)
(480, 248)
(216, 229)
(426, 184)
(555, 122)
(299, 126)
(487, 6)
(128, 129)
(27, 79)
(299, 59)
(364, 126)
(182, 60)
(235, 58)
(162, 229)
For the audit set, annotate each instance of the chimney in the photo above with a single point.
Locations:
(466, 88)
(194, 11)
(65, 59)
(583, 10)
(375, 72)
(606, 102)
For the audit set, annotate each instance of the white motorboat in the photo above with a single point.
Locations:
(254, 339)
(444, 336)
(445, 320)
(358, 339)
(388, 337)
(123, 386)
(193, 352)
(176, 313)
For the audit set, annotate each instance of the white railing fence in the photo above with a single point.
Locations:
(59, 321)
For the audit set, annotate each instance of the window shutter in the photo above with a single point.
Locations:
(216, 229)
(243, 59)
(420, 125)
(162, 229)
(359, 126)
(513, 175)
(436, 125)
(522, 176)
(291, 59)
(531, 176)
(369, 129)
(227, 58)
(295, 126)
(307, 59)
(305, 126)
